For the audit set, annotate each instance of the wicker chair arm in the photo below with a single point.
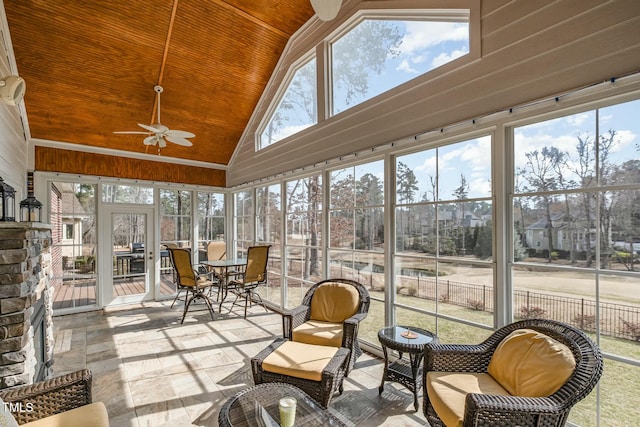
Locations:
(350, 329)
(356, 318)
(509, 410)
(293, 318)
(50, 397)
(457, 357)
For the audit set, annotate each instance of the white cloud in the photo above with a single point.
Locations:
(577, 120)
(623, 141)
(406, 67)
(422, 35)
(444, 57)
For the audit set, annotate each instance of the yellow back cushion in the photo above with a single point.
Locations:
(528, 363)
(334, 302)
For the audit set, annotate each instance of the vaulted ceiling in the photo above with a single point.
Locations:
(91, 66)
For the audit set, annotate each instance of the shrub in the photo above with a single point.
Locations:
(632, 329)
(585, 322)
(475, 304)
(531, 312)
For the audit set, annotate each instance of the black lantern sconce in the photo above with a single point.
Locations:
(7, 202)
(30, 208)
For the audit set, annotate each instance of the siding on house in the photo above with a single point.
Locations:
(13, 144)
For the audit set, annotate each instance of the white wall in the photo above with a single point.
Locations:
(529, 50)
(13, 136)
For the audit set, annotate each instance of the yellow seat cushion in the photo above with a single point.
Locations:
(91, 415)
(334, 302)
(299, 360)
(319, 333)
(447, 392)
(528, 363)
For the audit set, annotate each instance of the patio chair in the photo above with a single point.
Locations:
(179, 288)
(196, 284)
(61, 401)
(216, 251)
(330, 314)
(245, 283)
(528, 373)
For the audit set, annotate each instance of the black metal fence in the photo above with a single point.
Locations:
(616, 320)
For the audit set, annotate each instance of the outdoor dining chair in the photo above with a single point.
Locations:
(245, 283)
(197, 285)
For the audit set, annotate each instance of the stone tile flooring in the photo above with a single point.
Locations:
(152, 371)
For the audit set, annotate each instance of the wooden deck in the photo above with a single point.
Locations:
(82, 292)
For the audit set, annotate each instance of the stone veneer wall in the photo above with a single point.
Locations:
(25, 270)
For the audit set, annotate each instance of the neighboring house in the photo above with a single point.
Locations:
(536, 234)
(452, 219)
(71, 214)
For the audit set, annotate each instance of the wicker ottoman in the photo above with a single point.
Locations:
(316, 369)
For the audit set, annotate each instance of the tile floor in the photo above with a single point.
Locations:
(152, 371)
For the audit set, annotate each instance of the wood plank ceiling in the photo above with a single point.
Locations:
(90, 68)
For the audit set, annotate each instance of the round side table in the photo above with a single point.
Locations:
(404, 371)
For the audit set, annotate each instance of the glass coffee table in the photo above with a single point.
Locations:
(409, 340)
(258, 406)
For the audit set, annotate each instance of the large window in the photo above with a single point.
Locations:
(243, 221)
(297, 109)
(444, 248)
(73, 253)
(576, 222)
(269, 232)
(303, 250)
(211, 216)
(379, 54)
(175, 217)
(369, 56)
(356, 233)
(118, 193)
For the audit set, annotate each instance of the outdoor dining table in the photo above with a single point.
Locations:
(225, 265)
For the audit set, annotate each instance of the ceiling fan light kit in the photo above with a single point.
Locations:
(12, 89)
(326, 9)
(158, 134)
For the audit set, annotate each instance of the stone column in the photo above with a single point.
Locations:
(25, 271)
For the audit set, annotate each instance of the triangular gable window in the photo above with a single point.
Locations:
(297, 109)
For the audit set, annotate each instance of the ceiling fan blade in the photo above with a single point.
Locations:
(161, 143)
(180, 133)
(151, 140)
(133, 132)
(149, 128)
(178, 140)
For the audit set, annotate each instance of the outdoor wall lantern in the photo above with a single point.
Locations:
(7, 202)
(30, 208)
(12, 89)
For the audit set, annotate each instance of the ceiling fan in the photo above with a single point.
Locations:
(159, 134)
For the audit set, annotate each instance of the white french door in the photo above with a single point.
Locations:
(129, 245)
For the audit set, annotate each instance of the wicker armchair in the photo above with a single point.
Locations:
(59, 397)
(490, 409)
(302, 314)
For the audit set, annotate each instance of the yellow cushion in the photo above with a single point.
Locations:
(334, 302)
(528, 363)
(92, 415)
(319, 333)
(448, 390)
(299, 360)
